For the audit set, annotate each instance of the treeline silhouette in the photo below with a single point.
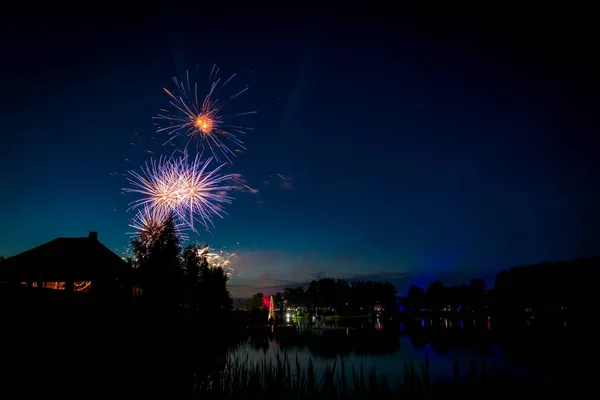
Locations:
(539, 288)
(173, 277)
(337, 296)
(438, 297)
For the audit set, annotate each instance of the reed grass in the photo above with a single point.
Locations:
(283, 378)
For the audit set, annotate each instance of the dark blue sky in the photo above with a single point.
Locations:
(416, 145)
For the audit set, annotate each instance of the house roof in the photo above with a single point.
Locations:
(82, 258)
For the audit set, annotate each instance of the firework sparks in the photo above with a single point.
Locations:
(201, 121)
(158, 183)
(218, 259)
(188, 190)
(126, 253)
(149, 224)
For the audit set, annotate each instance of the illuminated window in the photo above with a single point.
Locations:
(34, 284)
(137, 291)
(24, 283)
(82, 286)
(54, 285)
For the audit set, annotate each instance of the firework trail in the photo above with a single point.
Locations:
(188, 190)
(149, 224)
(218, 259)
(201, 120)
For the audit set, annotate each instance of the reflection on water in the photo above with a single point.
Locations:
(388, 345)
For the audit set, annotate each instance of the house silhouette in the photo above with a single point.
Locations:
(80, 264)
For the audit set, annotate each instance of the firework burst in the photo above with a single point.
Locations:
(188, 190)
(218, 259)
(149, 223)
(201, 120)
(158, 183)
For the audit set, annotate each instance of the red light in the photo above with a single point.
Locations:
(266, 301)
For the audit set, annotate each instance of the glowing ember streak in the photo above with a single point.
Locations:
(218, 259)
(200, 120)
(188, 190)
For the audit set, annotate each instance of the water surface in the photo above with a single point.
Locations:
(522, 349)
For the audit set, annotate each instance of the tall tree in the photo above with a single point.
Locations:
(415, 299)
(436, 295)
(342, 295)
(215, 298)
(477, 293)
(192, 264)
(278, 300)
(205, 286)
(295, 297)
(158, 262)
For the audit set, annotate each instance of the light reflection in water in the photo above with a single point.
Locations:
(435, 339)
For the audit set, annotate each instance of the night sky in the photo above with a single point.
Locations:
(401, 144)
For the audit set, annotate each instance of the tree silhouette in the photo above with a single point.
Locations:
(278, 300)
(295, 297)
(204, 286)
(436, 295)
(191, 277)
(343, 294)
(539, 288)
(158, 262)
(215, 299)
(255, 303)
(415, 299)
(476, 294)
(342, 297)
(547, 286)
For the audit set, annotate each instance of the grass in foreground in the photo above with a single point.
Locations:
(243, 378)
